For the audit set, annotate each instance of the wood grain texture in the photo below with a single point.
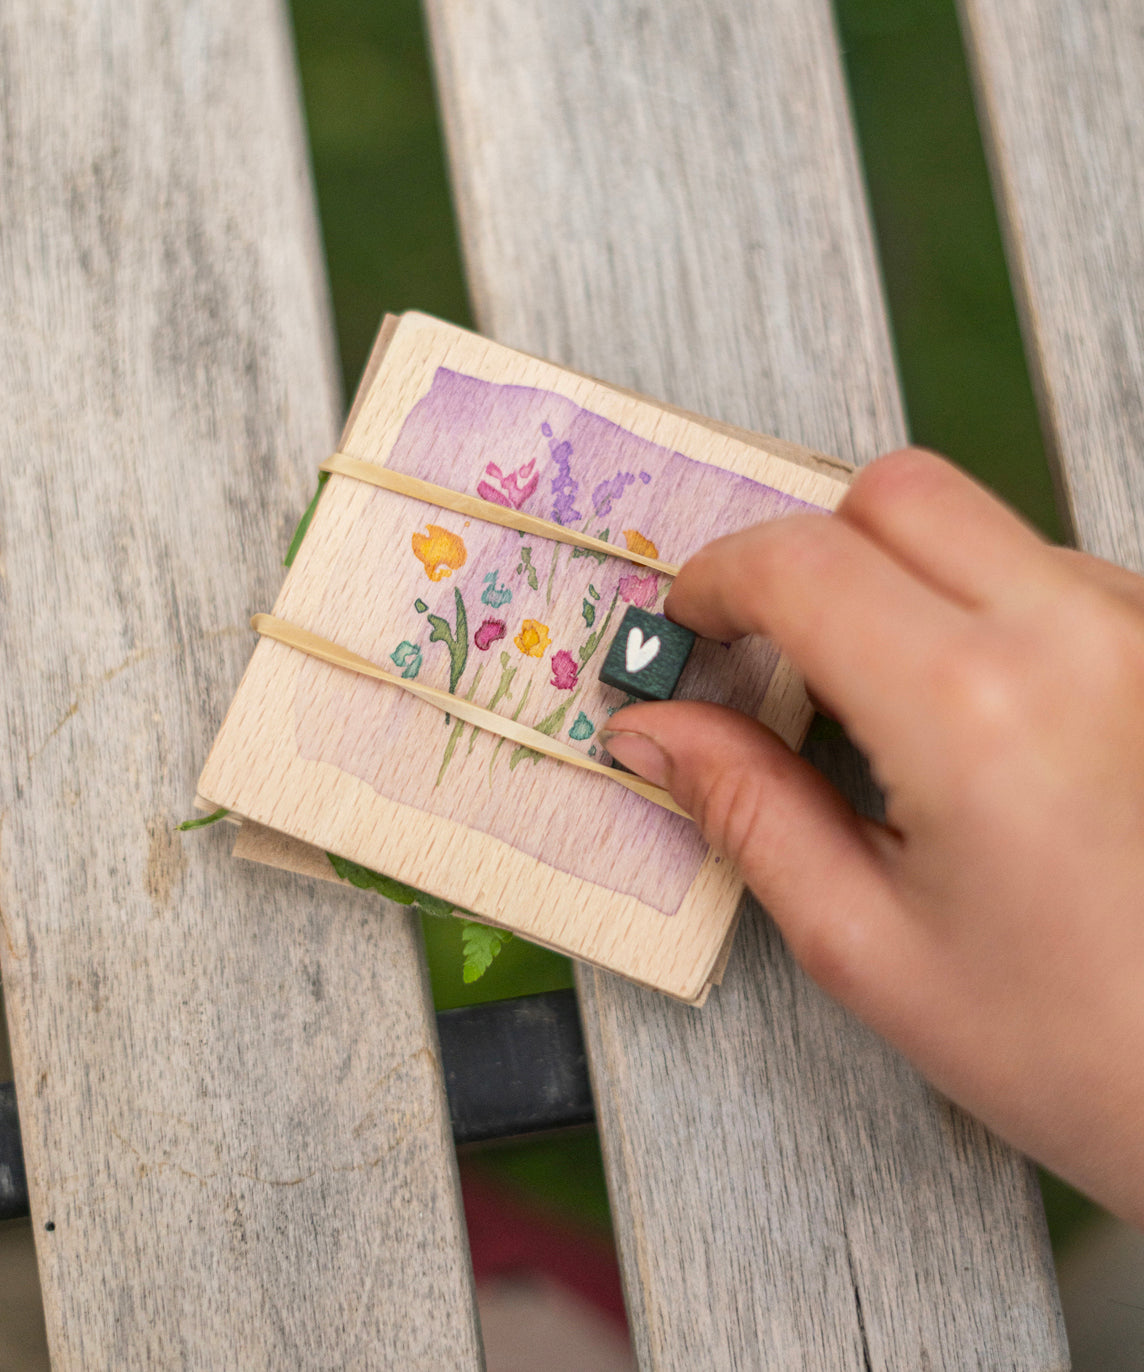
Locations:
(236, 1136)
(1061, 90)
(668, 196)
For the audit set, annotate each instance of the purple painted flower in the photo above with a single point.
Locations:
(607, 491)
(490, 632)
(564, 484)
(564, 670)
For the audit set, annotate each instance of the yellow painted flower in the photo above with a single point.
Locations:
(439, 551)
(638, 544)
(533, 640)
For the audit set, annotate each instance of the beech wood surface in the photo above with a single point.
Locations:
(1061, 92)
(668, 196)
(236, 1135)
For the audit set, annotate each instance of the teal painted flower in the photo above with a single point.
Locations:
(407, 656)
(493, 595)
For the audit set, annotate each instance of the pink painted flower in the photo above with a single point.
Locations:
(564, 670)
(512, 490)
(490, 632)
(640, 591)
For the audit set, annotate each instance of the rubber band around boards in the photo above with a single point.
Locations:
(342, 464)
(282, 631)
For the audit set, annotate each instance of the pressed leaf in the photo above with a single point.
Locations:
(481, 943)
(212, 818)
(304, 523)
(435, 906)
(366, 879)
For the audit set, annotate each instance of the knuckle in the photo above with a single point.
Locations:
(1114, 643)
(904, 476)
(824, 947)
(984, 688)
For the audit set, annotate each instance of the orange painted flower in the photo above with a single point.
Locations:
(533, 640)
(638, 544)
(439, 551)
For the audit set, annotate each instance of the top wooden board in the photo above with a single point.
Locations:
(519, 625)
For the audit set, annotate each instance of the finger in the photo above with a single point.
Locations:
(864, 633)
(944, 527)
(814, 863)
(1128, 586)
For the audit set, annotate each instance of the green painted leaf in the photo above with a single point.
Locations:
(525, 566)
(481, 943)
(212, 818)
(457, 641)
(592, 642)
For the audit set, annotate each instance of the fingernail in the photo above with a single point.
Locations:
(640, 754)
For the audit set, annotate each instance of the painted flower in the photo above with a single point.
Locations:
(640, 591)
(564, 670)
(407, 656)
(533, 639)
(607, 491)
(564, 484)
(638, 544)
(490, 632)
(439, 551)
(494, 596)
(582, 729)
(511, 490)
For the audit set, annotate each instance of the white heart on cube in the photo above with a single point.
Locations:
(640, 650)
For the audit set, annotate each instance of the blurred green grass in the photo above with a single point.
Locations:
(387, 221)
(960, 356)
(391, 244)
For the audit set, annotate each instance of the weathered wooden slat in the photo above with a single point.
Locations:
(236, 1137)
(1061, 91)
(668, 196)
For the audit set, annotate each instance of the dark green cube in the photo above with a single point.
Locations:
(647, 655)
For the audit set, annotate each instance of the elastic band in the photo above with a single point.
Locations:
(488, 510)
(305, 642)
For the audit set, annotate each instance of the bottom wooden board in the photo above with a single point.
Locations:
(257, 843)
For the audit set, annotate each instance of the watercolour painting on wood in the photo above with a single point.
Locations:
(508, 621)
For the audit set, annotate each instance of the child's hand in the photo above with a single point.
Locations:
(993, 929)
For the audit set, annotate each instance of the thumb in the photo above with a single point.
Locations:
(809, 857)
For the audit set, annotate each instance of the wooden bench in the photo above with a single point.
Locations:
(236, 1136)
